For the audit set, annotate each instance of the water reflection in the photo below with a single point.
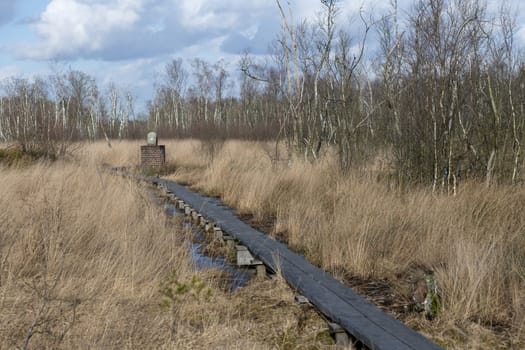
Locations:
(236, 277)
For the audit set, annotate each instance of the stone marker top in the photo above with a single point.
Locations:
(152, 139)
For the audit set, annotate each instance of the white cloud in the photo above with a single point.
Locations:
(67, 27)
(127, 29)
(121, 29)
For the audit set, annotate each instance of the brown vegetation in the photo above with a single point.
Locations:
(377, 176)
(85, 260)
(85, 268)
(368, 232)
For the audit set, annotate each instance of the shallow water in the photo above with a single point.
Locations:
(237, 277)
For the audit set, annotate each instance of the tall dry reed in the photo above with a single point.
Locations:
(84, 256)
(359, 226)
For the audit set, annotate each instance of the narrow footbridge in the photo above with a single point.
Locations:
(363, 320)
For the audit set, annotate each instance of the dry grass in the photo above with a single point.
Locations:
(360, 227)
(83, 255)
(127, 153)
(260, 316)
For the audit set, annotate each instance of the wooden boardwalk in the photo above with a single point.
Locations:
(363, 320)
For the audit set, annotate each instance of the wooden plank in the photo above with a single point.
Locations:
(367, 323)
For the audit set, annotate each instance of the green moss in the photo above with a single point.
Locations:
(324, 337)
(175, 291)
(15, 157)
(432, 300)
(441, 343)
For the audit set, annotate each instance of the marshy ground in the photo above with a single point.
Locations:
(84, 255)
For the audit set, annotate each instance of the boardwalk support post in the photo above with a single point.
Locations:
(230, 241)
(194, 216)
(218, 233)
(339, 334)
(302, 300)
(200, 220)
(245, 258)
(260, 270)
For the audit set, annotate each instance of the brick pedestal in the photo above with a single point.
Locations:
(152, 156)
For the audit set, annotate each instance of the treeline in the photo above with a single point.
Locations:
(439, 91)
(443, 94)
(44, 115)
(212, 106)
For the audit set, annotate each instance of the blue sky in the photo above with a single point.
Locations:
(129, 42)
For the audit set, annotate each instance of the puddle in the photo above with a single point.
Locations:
(236, 277)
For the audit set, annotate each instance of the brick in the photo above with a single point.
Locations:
(152, 156)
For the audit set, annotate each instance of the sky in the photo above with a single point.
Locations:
(129, 42)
